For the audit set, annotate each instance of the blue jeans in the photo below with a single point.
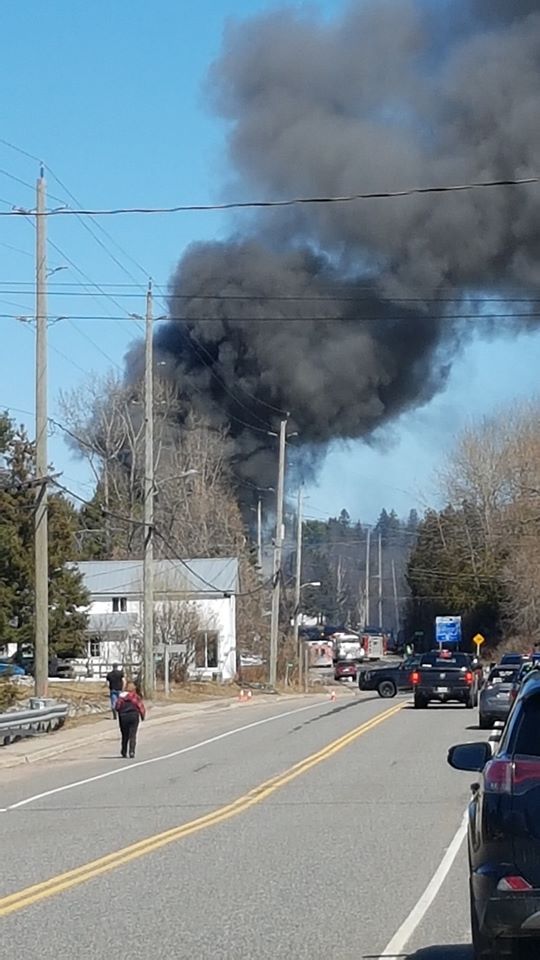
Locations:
(114, 697)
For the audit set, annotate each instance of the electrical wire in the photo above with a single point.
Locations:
(106, 318)
(193, 339)
(288, 202)
(73, 291)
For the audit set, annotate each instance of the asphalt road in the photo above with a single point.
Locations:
(329, 859)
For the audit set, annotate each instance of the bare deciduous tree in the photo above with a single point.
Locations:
(493, 478)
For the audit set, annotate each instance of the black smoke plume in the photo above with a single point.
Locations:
(346, 315)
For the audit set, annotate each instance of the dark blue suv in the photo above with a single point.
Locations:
(504, 833)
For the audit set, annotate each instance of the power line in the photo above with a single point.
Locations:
(289, 202)
(334, 318)
(73, 290)
(24, 153)
(24, 253)
(54, 246)
(193, 339)
(125, 315)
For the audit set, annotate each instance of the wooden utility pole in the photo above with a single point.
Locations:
(278, 549)
(396, 604)
(368, 575)
(148, 562)
(298, 583)
(41, 641)
(259, 534)
(380, 583)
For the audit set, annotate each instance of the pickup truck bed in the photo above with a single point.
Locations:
(445, 678)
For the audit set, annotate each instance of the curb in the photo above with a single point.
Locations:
(58, 749)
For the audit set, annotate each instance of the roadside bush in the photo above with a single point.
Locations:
(8, 694)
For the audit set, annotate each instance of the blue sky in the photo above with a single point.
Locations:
(109, 95)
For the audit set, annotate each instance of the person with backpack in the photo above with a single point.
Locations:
(131, 711)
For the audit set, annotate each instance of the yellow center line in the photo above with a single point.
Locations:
(65, 881)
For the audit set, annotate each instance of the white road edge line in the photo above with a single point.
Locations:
(402, 937)
(165, 756)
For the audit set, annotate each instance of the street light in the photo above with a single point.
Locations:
(296, 640)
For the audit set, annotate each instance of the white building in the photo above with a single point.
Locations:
(194, 603)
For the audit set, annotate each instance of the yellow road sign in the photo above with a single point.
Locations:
(479, 639)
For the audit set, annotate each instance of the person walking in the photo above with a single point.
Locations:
(115, 679)
(131, 711)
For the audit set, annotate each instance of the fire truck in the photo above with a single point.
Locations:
(374, 643)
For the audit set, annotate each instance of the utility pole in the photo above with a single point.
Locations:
(368, 557)
(278, 546)
(380, 582)
(148, 562)
(41, 642)
(259, 534)
(396, 604)
(298, 582)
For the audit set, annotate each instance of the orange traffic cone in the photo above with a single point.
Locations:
(333, 696)
(242, 696)
(249, 694)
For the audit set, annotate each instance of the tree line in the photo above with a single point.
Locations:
(477, 554)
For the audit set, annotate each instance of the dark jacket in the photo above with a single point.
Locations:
(115, 679)
(130, 706)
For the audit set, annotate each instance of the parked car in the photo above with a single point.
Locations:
(444, 676)
(9, 669)
(59, 669)
(504, 832)
(345, 670)
(494, 700)
(388, 681)
(517, 682)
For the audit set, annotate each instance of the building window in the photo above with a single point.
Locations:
(206, 650)
(94, 647)
(119, 604)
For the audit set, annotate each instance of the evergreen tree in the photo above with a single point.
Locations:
(449, 575)
(66, 592)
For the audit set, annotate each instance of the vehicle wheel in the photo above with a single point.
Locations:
(469, 703)
(420, 703)
(484, 722)
(387, 689)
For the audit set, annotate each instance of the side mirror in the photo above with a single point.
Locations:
(471, 757)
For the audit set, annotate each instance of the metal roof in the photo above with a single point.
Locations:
(124, 578)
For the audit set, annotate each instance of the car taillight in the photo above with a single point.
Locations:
(469, 677)
(511, 776)
(513, 693)
(498, 776)
(526, 773)
(513, 885)
(415, 678)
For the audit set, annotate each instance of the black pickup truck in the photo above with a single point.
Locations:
(445, 677)
(388, 681)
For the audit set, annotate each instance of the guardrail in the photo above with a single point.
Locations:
(43, 717)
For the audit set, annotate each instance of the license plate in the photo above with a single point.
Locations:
(442, 689)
